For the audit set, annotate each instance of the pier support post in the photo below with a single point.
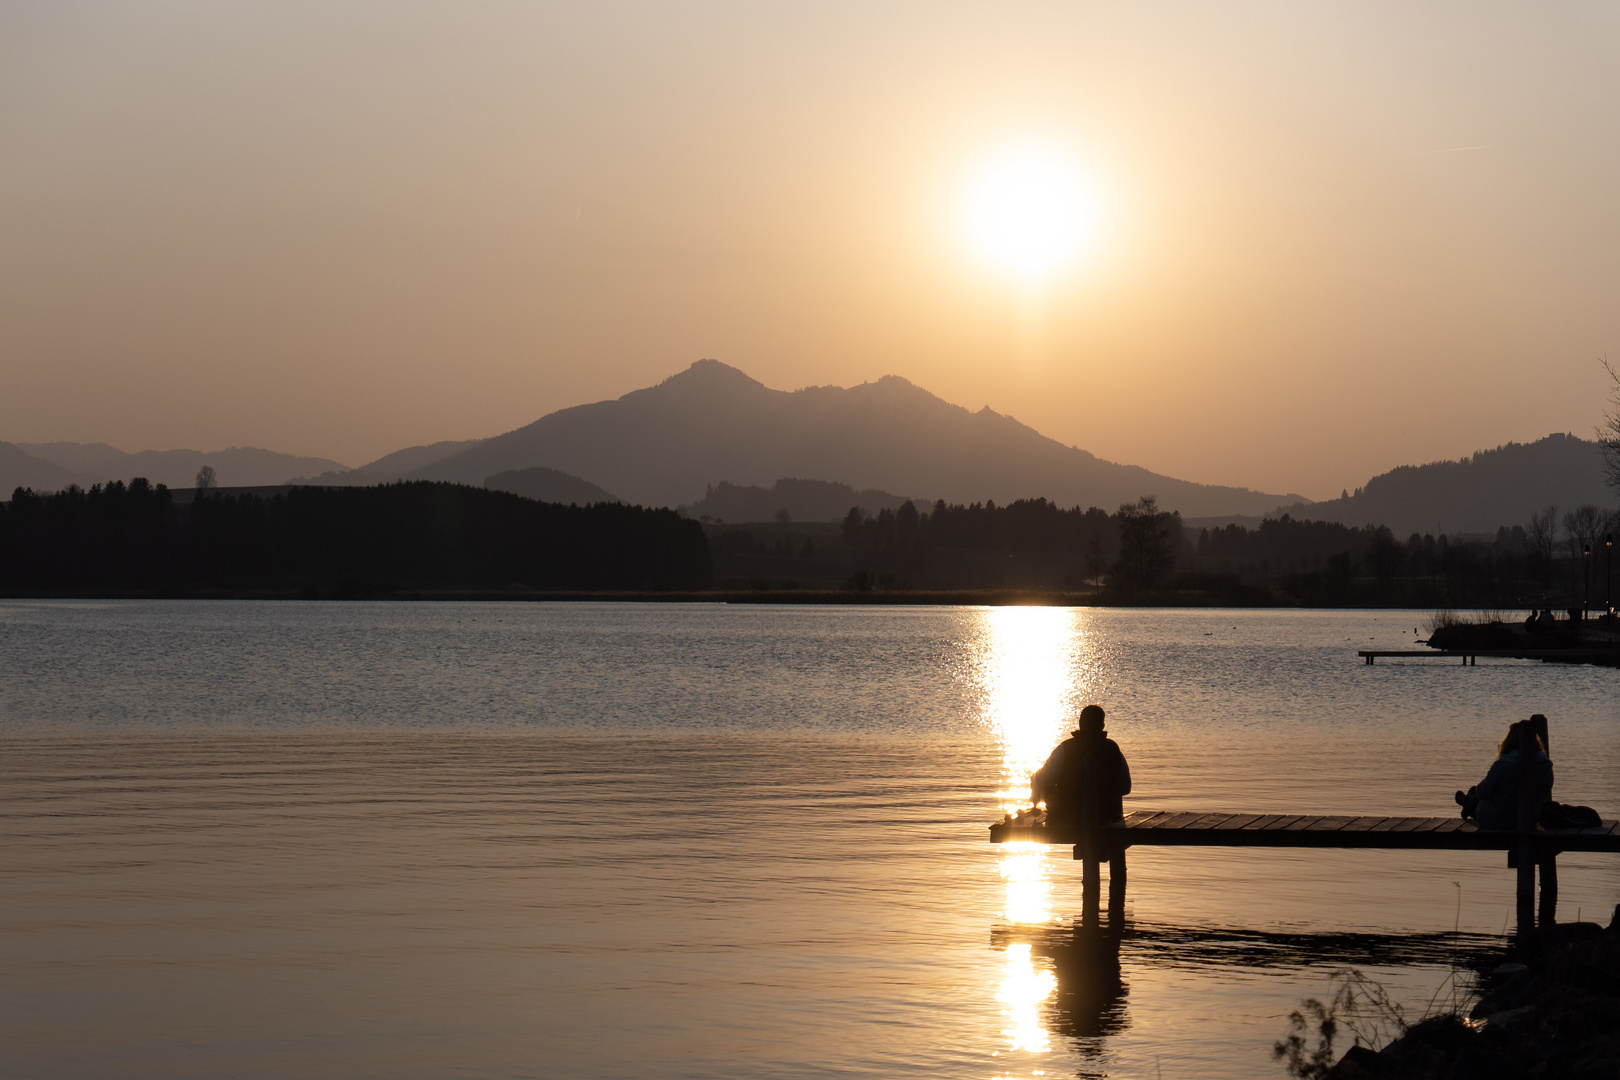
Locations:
(1529, 811)
(1525, 893)
(1548, 913)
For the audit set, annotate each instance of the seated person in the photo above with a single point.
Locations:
(1060, 782)
(1494, 802)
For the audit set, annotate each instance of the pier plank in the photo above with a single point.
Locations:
(1179, 821)
(1142, 819)
(1209, 821)
(1241, 821)
(1265, 821)
(1329, 824)
(1282, 821)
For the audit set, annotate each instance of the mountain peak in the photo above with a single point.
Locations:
(711, 373)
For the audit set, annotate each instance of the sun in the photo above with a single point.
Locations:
(1031, 213)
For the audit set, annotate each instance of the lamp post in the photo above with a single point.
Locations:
(1608, 575)
(1586, 590)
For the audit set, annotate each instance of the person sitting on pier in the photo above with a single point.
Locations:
(1087, 771)
(1059, 782)
(1494, 802)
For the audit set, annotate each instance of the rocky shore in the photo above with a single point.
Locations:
(1552, 1012)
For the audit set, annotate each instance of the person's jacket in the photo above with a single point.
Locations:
(1060, 781)
(1499, 791)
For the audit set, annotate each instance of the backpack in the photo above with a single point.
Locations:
(1556, 815)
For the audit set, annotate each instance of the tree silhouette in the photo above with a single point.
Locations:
(1147, 550)
(205, 478)
(1608, 432)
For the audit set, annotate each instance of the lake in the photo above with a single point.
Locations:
(642, 840)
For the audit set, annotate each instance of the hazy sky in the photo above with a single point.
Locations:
(1335, 237)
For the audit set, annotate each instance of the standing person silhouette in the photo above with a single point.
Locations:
(1088, 767)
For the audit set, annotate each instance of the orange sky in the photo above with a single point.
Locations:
(1340, 237)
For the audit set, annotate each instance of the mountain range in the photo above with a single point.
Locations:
(664, 445)
(721, 444)
(1475, 494)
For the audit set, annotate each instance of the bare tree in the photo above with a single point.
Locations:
(1543, 535)
(1584, 527)
(1608, 432)
(205, 478)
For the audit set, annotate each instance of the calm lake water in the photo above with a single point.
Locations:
(545, 840)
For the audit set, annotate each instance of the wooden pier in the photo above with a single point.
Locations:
(1164, 828)
(1528, 846)
(1468, 656)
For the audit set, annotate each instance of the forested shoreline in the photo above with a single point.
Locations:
(132, 539)
(1140, 554)
(425, 539)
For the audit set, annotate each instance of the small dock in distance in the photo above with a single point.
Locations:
(1468, 656)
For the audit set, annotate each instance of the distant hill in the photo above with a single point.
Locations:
(804, 500)
(663, 446)
(238, 466)
(1475, 494)
(549, 485)
(390, 467)
(20, 469)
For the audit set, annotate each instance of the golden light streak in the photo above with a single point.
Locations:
(1021, 993)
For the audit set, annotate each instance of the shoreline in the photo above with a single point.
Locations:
(995, 597)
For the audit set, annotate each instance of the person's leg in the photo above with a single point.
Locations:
(1116, 888)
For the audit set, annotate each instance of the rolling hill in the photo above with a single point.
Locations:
(804, 500)
(238, 466)
(549, 485)
(1475, 494)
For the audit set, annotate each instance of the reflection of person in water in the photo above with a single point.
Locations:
(1090, 992)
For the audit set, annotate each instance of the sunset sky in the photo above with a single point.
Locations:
(1286, 245)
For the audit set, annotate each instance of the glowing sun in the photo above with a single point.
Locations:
(1031, 213)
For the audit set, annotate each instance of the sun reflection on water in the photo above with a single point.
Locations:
(1038, 667)
(1022, 991)
(1032, 678)
(1023, 868)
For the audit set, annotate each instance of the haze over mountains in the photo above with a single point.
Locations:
(666, 444)
(53, 466)
(720, 443)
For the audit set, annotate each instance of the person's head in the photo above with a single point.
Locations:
(1091, 721)
(1510, 743)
